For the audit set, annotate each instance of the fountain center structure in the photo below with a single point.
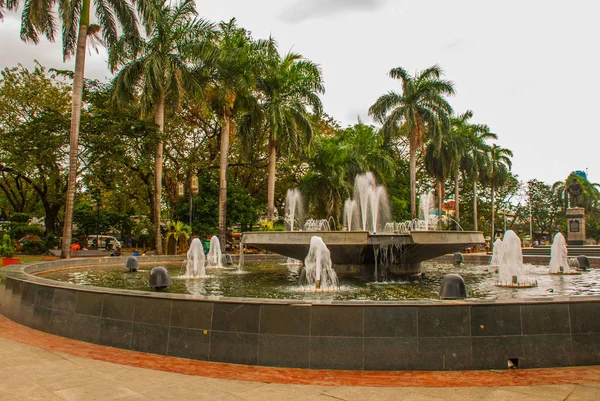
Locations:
(370, 245)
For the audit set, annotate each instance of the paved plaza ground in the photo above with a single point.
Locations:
(40, 366)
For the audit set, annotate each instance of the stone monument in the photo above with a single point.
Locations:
(575, 216)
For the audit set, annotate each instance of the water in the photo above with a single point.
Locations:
(194, 263)
(318, 270)
(293, 208)
(559, 263)
(511, 270)
(214, 257)
(276, 281)
(370, 207)
(425, 205)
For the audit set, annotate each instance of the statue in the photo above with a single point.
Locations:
(574, 192)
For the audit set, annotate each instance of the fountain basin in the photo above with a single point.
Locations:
(357, 335)
(358, 252)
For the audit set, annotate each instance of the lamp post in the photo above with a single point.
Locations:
(193, 192)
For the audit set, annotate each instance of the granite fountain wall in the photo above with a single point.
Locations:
(357, 335)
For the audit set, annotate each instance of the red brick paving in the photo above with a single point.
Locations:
(468, 378)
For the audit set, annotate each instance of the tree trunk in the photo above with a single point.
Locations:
(159, 119)
(475, 205)
(440, 188)
(493, 236)
(413, 180)
(271, 180)
(223, 181)
(74, 133)
(457, 201)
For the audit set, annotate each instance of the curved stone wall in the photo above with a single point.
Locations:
(426, 335)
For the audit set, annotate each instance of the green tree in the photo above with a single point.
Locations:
(160, 70)
(546, 212)
(590, 193)
(34, 139)
(499, 172)
(233, 73)
(288, 92)
(38, 18)
(421, 110)
(472, 151)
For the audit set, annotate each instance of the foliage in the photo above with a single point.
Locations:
(7, 246)
(34, 246)
(546, 211)
(19, 217)
(35, 131)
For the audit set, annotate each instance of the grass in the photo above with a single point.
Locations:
(28, 258)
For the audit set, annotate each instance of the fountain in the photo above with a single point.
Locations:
(214, 257)
(496, 253)
(293, 208)
(559, 261)
(350, 215)
(511, 271)
(425, 202)
(370, 203)
(370, 245)
(194, 263)
(318, 271)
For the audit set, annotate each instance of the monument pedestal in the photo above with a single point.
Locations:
(576, 226)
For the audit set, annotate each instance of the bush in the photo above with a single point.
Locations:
(7, 246)
(35, 246)
(19, 217)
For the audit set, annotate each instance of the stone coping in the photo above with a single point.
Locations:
(26, 273)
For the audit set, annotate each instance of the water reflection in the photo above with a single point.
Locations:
(271, 280)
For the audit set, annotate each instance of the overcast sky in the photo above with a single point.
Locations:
(526, 68)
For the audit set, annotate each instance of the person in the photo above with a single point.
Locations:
(76, 246)
(116, 252)
(107, 242)
(135, 253)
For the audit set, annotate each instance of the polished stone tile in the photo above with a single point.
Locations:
(495, 320)
(150, 338)
(285, 351)
(545, 319)
(444, 321)
(285, 319)
(234, 347)
(335, 353)
(242, 318)
(390, 322)
(119, 307)
(189, 343)
(152, 311)
(64, 300)
(89, 303)
(192, 315)
(583, 317)
(336, 321)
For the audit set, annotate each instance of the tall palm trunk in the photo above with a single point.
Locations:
(456, 201)
(74, 133)
(159, 119)
(493, 236)
(271, 180)
(440, 190)
(413, 180)
(475, 205)
(223, 180)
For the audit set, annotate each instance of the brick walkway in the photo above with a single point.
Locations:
(36, 365)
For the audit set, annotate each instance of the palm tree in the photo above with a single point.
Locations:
(441, 159)
(420, 110)
(160, 70)
(499, 170)
(233, 75)
(289, 89)
(38, 18)
(472, 150)
(180, 233)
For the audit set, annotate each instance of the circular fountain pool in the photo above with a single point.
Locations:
(391, 330)
(280, 281)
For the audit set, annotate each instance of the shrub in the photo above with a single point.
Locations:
(7, 246)
(35, 246)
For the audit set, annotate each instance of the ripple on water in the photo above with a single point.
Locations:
(272, 280)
